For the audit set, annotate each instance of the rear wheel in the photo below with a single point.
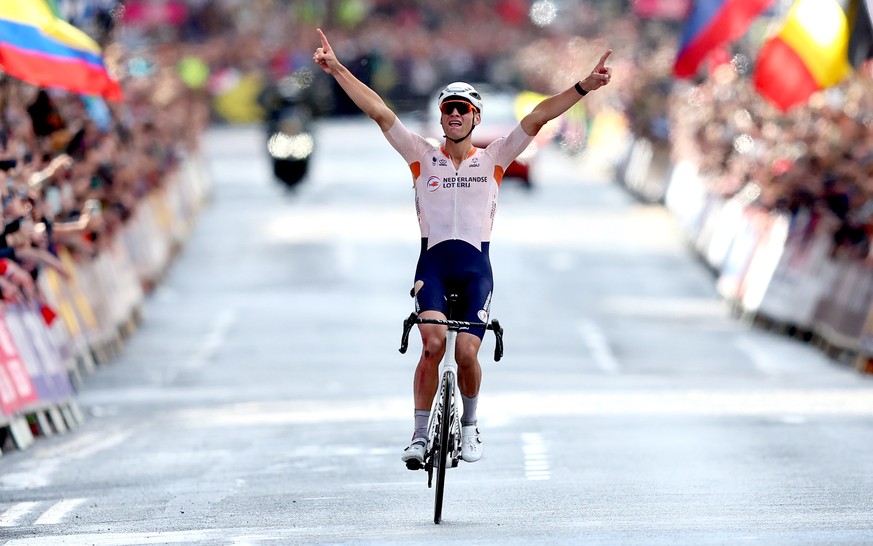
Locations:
(443, 449)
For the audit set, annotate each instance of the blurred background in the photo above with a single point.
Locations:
(725, 172)
(762, 106)
(749, 119)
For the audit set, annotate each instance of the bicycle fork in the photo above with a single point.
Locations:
(448, 373)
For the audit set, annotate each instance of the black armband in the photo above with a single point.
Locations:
(579, 89)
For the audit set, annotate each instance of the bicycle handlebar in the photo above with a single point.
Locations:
(494, 326)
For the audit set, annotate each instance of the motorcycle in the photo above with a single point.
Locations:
(288, 124)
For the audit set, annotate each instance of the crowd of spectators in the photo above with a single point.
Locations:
(407, 50)
(814, 162)
(74, 167)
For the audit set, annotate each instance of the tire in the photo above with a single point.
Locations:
(290, 173)
(443, 449)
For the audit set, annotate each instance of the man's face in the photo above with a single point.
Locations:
(458, 117)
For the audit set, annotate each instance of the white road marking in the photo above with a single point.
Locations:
(597, 344)
(213, 340)
(38, 471)
(109, 441)
(58, 511)
(797, 402)
(536, 457)
(33, 474)
(782, 357)
(201, 536)
(11, 516)
(763, 358)
(69, 446)
(121, 539)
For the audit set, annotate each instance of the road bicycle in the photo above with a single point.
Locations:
(443, 448)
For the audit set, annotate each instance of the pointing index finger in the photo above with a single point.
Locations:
(601, 64)
(324, 44)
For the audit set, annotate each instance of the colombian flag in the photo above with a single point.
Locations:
(42, 49)
(711, 24)
(809, 53)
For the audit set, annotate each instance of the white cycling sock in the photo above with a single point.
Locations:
(469, 417)
(421, 417)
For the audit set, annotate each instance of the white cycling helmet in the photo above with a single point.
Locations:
(463, 91)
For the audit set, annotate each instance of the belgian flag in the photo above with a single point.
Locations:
(811, 51)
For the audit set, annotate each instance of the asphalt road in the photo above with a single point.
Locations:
(264, 401)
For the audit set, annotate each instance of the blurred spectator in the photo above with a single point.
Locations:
(210, 61)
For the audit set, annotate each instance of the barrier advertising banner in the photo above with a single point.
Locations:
(16, 389)
(50, 379)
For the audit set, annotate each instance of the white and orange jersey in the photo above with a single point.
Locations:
(456, 203)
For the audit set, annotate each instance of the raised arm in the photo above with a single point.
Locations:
(556, 105)
(365, 98)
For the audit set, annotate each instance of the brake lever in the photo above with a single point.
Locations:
(498, 338)
(407, 327)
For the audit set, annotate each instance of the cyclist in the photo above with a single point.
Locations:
(456, 189)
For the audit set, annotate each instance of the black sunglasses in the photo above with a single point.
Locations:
(451, 105)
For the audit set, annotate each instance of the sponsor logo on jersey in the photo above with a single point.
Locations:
(483, 313)
(433, 183)
(443, 162)
(463, 181)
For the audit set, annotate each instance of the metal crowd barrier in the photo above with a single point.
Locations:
(772, 268)
(45, 354)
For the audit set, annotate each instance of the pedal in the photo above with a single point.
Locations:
(414, 464)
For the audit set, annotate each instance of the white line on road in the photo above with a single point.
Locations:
(10, 517)
(780, 358)
(597, 344)
(58, 511)
(802, 402)
(111, 440)
(198, 536)
(536, 456)
(121, 539)
(213, 340)
(38, 471)
(33, 474)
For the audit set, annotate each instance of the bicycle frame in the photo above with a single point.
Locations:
(444, 425)
(448, 373)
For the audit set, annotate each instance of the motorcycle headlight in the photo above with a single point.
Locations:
(284, 146)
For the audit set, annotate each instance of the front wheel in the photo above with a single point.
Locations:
(443, 449)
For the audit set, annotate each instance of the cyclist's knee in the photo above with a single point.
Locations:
(433, 346)
(467, 351)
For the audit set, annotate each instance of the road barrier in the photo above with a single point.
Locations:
(780, 271)
(46, 349)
